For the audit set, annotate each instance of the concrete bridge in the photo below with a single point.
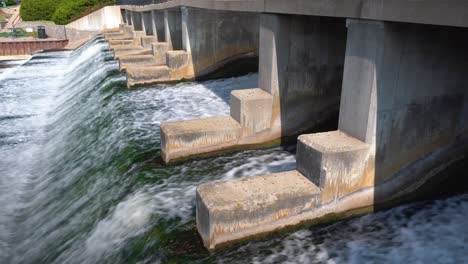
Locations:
(379, 87)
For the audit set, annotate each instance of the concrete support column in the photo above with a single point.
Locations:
(137, 22)
(123, 13)
(185, 34)
(404, 90)
(143, 24)
(129, 17)
(301, 65)
(173, 28)
(364, 52)
(153, 25)
(167, 34)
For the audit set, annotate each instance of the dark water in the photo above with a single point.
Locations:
(82, 182)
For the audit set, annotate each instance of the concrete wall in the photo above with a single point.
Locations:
(158, 18)
(52, 31)
(405, 94)
(215, 37)
(173, 28)
(106, 18)
(301, 65)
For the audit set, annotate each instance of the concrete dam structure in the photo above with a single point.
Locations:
(389, 76)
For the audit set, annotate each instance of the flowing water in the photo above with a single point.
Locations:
(82, 181)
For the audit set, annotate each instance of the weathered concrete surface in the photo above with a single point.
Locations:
(337, 163)
(301, 71)
(114, 42)
(108, 17)
(301, 65)
(403, 120)
(252, 109)
(173, 29)
(176, 68)
(129, 61)
(185, 138)
(435, 12)
(159, 51)
(214, 38)
(233, 210)
(142, 75)
(147, 41)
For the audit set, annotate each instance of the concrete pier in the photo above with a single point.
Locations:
(300, 75)
(403, 120)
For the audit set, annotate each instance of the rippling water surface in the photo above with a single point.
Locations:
(82, 181)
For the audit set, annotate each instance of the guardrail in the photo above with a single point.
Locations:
(139, 2)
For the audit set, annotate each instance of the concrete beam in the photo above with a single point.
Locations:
(434, 12)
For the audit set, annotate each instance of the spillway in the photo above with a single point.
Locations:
(82, 180)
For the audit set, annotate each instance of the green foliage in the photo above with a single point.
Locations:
(10, 2)
(32, 10)
(60, 11)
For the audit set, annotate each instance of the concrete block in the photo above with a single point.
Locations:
(177, 59)
(147, 41)
(137, 60)
(185, 138)
(237, 209)
(134, 51)
(140, 75)
(159, 51)
(339, 164)
(252, 108)
(115, 42)
(116, 35)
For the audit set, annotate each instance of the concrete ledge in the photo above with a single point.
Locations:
(185, 138)
(138, 60)
(117, 42)
(252, 108)
(336, 162)
(135, 51)
(237, 209)
(141, 75)
(177, 59)
(147, 41)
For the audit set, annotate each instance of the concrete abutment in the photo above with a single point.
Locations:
(403, 119)
(398, 90)
(300, 74)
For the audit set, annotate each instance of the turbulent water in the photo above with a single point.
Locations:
(82, 181)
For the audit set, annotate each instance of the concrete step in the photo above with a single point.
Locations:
(142, 75)
(115, 42)
(186, 138)
(139, 60)
(252, 108)
(336, 162)
(238, 209)
(147, 41)
(177, 59)
(117, 36)
(135, 51)
(123, 47)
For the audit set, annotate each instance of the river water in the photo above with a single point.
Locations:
(82, 180)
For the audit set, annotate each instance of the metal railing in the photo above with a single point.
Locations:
(139, 2)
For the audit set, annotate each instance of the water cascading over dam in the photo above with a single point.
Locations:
(82, 180)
